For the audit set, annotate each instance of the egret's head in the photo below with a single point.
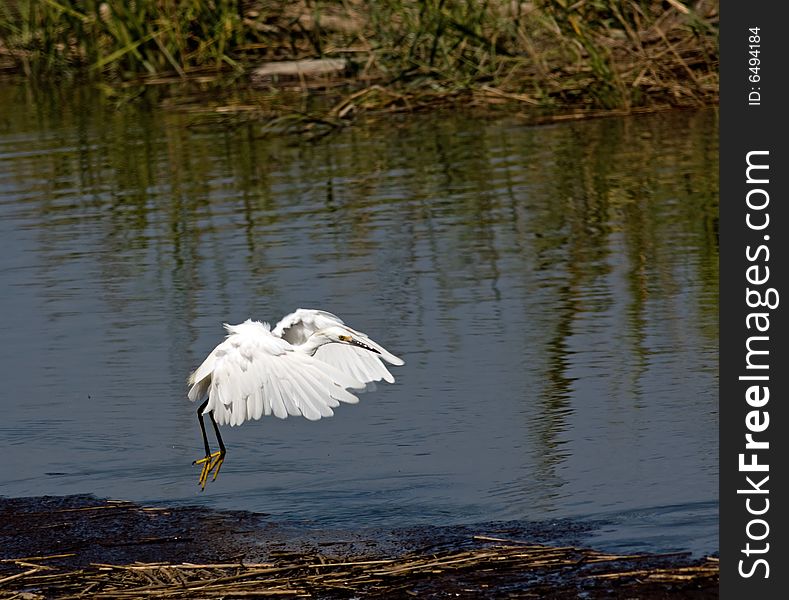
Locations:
(341, 335)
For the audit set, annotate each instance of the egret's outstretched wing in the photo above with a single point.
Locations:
(361, 364)
(253, 373)
(357, 362)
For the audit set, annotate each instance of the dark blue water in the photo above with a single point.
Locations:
(553, 291)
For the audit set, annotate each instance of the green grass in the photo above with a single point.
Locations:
(591, 53)
(57, 38)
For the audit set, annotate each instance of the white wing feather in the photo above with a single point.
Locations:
(359, 363)
(253, 373)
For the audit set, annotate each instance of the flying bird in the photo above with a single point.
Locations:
(305, 366)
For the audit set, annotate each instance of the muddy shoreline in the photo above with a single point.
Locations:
(60, 547)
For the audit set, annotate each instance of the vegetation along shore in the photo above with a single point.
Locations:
(552, 59)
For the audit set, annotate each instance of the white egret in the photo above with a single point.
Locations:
(304, 366)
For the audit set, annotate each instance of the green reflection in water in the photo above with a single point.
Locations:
(610, 222)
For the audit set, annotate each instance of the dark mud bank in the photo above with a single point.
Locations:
(72, 546)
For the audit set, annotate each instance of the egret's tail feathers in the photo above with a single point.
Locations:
(199, 389)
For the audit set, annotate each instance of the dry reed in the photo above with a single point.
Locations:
(308, 575)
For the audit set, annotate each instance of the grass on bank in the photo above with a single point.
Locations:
(618, 54)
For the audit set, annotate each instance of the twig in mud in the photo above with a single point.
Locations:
(509, 96)
(294, 574)
(348, 103)
(19, 575)
(45, 557)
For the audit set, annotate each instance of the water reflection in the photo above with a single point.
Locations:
(553, 290)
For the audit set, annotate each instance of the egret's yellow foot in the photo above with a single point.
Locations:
(212, 462)
(216, 464)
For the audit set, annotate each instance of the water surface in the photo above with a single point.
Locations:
(552, 289)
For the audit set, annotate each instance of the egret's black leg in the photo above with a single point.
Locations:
(200, 410)
(209, 461)
(217, 462)
(216, 431)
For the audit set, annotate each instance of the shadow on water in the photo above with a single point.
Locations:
(552, 289)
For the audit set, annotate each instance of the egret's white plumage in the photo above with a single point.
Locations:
(361, 364)
(304, 366)
(253, 373)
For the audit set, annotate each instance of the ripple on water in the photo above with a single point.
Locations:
(554, 303)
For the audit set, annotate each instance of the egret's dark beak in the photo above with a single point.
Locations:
(363, 345)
